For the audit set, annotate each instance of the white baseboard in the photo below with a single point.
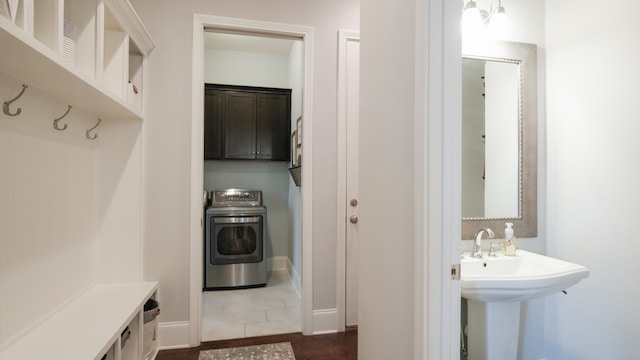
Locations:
(278, 263)
(173, 335)
(296, 282)
(325, 321)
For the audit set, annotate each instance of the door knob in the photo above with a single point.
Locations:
(353, 219)
(354, 202)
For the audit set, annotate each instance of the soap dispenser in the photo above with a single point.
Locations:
(509, 240)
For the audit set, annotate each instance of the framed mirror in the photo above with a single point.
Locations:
(499, 138)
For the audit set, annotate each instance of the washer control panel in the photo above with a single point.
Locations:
(236, 197)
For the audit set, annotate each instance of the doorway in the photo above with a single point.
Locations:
(237, 64)
(301, 261)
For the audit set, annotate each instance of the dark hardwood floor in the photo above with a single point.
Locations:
(340, 346)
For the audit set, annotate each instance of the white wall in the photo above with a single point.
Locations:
(593, 176)
(246, 68)
(168, 135)
(386, 210)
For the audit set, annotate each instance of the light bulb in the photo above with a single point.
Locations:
(471, 21)
(499, 27)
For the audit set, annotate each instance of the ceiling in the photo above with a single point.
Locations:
(247, 43)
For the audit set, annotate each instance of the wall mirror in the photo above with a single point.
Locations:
(499, 138)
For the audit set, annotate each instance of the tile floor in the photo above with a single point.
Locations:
(241, 313)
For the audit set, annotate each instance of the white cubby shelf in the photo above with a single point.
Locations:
(110, 46)
(89, 327)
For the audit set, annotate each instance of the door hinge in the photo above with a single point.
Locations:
(455, 272)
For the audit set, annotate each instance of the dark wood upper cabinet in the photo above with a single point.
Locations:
(214, 115)
(247, 123)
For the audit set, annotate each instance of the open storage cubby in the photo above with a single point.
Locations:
(80, 15)
(134, 86)
(115, 53)
(110, 354)
(46, 23)
(108, 43)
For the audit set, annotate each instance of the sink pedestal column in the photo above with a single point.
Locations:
(493, 330)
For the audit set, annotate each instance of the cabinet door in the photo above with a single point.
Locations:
(274, 127)
(213, 118)
(240, 125)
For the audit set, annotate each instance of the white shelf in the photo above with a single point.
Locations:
(88, 327)
(38, 60)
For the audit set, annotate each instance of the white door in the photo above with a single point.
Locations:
(353, 81)
(347, 174)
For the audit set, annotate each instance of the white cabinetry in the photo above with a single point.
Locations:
(110, 46)
(109, 49)
(90, 327)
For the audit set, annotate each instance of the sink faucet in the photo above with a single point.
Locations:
(476, 250)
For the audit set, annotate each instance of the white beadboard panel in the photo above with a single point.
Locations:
(119, 235)
(47, 216)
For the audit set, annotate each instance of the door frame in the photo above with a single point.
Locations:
(344, 37)
(200, 23)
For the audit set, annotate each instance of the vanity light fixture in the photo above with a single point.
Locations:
(475, 20)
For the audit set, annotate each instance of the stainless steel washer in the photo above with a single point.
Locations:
(235, 251)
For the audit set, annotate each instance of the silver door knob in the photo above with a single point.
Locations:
(353, 219)
(354, 202)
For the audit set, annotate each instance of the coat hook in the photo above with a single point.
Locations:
(5, 106)
(90, 130)
(55, 121)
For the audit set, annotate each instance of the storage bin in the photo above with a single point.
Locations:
(151, 310)
(150, 320)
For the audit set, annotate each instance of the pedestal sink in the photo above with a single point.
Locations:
(494, 288)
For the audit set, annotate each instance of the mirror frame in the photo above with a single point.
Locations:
(526, 224)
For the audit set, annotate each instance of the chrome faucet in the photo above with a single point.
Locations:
(476, 250)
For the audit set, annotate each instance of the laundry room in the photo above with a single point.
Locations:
(252, 118)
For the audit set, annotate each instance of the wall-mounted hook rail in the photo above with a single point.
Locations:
(90, 130)
(5, 106)
(55, 121)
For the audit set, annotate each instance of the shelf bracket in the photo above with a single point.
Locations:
(55, 121)
(90, 130)
(5, 106)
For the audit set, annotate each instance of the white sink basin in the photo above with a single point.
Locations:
(516, 278)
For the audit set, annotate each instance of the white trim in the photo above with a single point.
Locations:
(197, 183)
(344, 36)
(173, 335)
(296, 282)
(129, 19)
(438, 178)
(200, 22)
(276, 263)
(324, 321)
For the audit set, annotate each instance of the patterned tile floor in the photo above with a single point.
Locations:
(241, 313)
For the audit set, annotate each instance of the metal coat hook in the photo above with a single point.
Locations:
(55, 121)
(5, 106)
(90, 130)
